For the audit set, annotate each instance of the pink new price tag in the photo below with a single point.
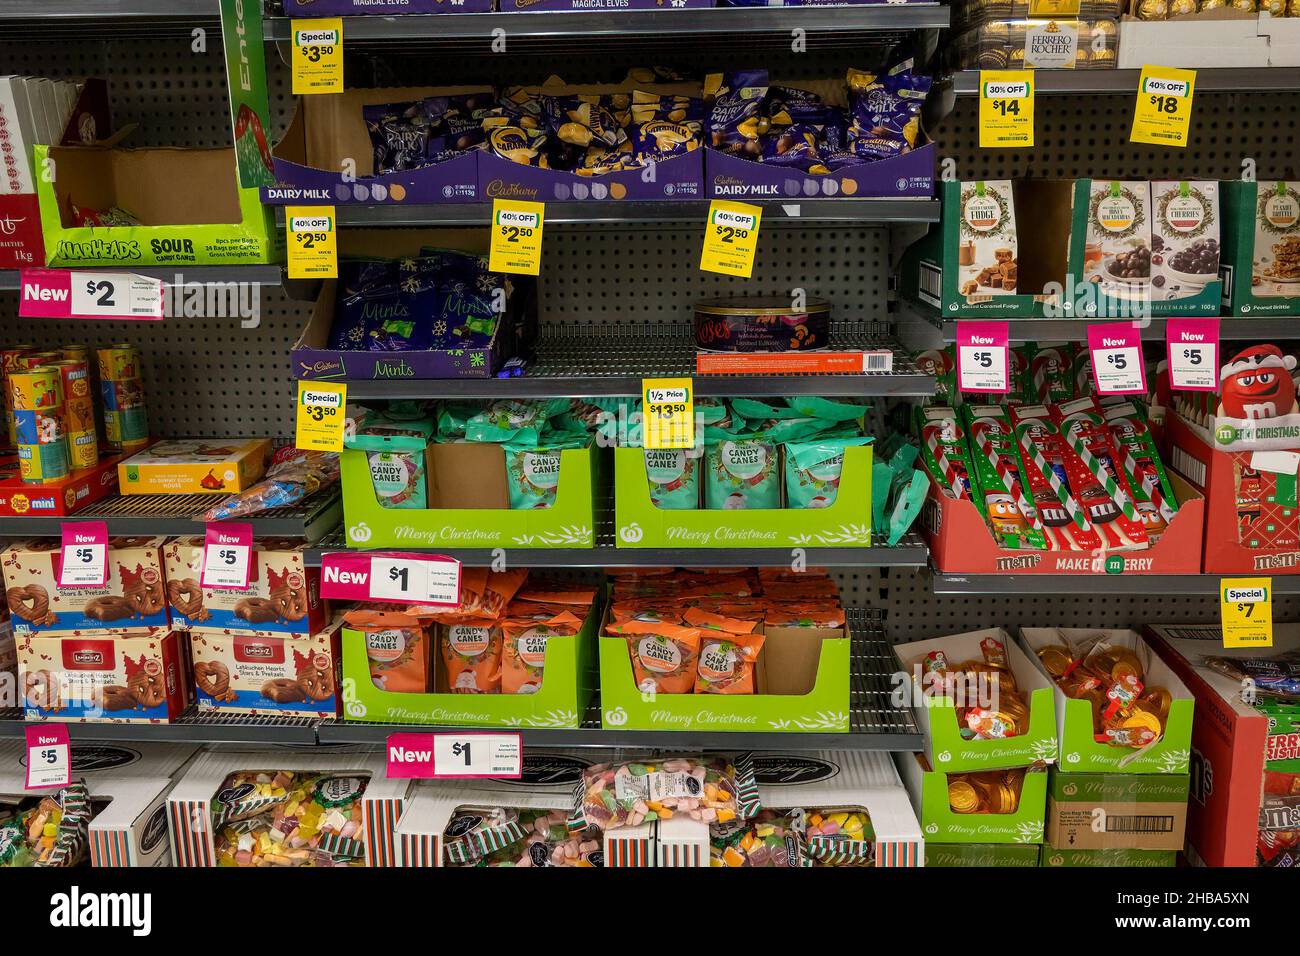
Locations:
(1193, 354)
(391, 576)
(83, 559)
(227, 556)
(1117, 366)
(65, 294)
(49, 756)
(983, 362)
(457, 755)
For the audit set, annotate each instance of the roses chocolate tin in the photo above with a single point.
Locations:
(761, 324)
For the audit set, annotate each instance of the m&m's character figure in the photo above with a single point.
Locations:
(1257, 383)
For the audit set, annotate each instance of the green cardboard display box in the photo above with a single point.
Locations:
(1112, 811)
(928, 791)
(1108, 858)
(1262, 221)
(1079, 750)
(936, 712)
(1019, 855)
(191, 209)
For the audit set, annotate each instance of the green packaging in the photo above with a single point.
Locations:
(533, 471)
(674, 478)
(812, 470)
(742, 474)
(944, 453)
(395, 450)
(512, 420)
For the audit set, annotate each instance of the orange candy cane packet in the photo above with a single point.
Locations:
(397, 648)
(523, 651)
(471, 656)
(728, 651)
(663, 655)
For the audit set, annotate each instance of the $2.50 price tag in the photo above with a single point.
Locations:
(516, 236)
(227, 556)
(311, 242)
(1116, 353)
(83, 558)
(49, 756)
(1246, 611)
(668, 413)
(321, 415)
(731, 238)
(317, 58)
(454, 756)
(1006, 109)
(1193, 353)
(983, 360)
(1163, 114)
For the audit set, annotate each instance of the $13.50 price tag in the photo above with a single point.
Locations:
(1117, 366)
(1193, 353)
(1163, 113)
(49, 756)
(452, 756)
(321, 415)
(1006, 109)
(731, 238)
(311, 242)
(516, 236)
(83, 558)
(668, 413)
(227, 556)
(317, 58)
(983, 360)
(1246, 611)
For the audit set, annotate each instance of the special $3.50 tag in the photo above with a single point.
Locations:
(1163, 114)
(731, 238)
(321, 414)
(668, 418)
(1006, 109)
(1246, 611)
(516, 236)
(317, 57)
(311, 242)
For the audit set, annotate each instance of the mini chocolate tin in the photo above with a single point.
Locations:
(761, 324)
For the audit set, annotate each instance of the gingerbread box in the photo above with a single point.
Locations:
(283, 596)
(263, 674)
(132, 601)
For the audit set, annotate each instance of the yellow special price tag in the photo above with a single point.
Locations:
(1006, 109)
(1246, 611)
(311, 242)
(731, 238)
(669, 413)
(1163, 114)
(321, 413)
(317, 57)
(517, 236)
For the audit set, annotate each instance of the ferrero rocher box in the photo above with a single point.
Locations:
(1108, 858)
(940, 707)
(1113, 811)
(940, 823)
(982, 854)
(1080, 750)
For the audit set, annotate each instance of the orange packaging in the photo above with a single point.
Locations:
(811, 614)
(712, 621)
(664, 656)
(727, 663)
(578, 597)
(397, 647)
(471, 653)
(648, 612)
(523, 651)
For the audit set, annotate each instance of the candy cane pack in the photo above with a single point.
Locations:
(1042, 463)
(1002, 494)
(1140, 461)
(943, 449)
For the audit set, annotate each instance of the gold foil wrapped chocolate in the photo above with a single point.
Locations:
(1125, 712)
(988, 791)
(1181, 8)
(1153, 10)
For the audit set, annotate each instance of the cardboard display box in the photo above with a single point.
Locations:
(1107, 811)
(194, 467)
(128, 784)
(1109, 859)
(60, 498)
(982, 854)
(1209, 38)
(1080, 751)
(928, 791)
(1262, 223)
(936, 710)
(218, 224)
(1230, 741)
(189, 805)
(286, 675)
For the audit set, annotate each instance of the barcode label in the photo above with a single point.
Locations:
(878, 361)
(929, 283)
(1225, 274)
(1139, 824)
(1185, 464)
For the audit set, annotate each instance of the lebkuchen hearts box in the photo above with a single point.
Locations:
(262, 674)
(132, 600)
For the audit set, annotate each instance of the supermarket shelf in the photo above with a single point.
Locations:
(311, 519)
(801, 212)
(268, 275)
(103, 19)
(911, 552)
(1231, 327)
(1224, 80)
(1152, 584)
(583, 360)
(875, 724)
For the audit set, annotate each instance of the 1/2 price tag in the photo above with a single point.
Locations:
(668, 413)
(317, 58)
(1246, 611)
(64, 294)
(1117, 366)
(1006, 109)
(516, 236)
(455, 756)
(731, 238)
(983, 360)
(311, 242)
(1193, 352)
(1163, 114)
(83, 559)
(49, 756)
(321, 415)
(227, 556)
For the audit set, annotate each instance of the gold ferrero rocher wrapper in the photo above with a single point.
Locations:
(1248, 5)
(1213, 4)
(1153, 10)
(1181, 8)
(1293, 8)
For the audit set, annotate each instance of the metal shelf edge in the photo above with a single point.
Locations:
(1215, 80)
